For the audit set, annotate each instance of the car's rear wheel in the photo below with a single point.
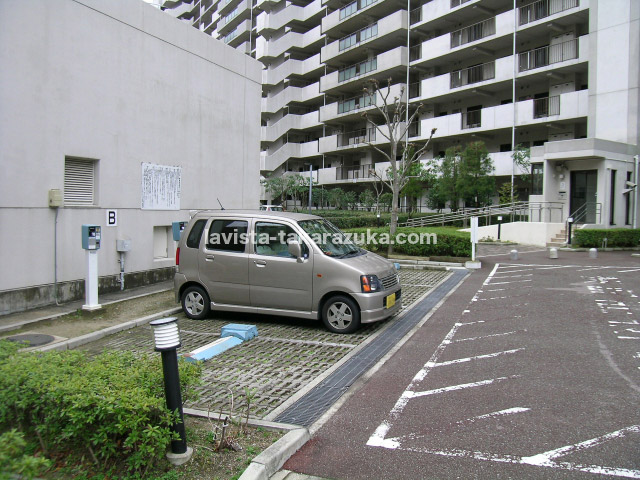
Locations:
(341, 314)
(195, 303)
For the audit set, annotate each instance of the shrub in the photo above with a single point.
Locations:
(450, 243)
(14, 461)
(111, 404)
(616, 237)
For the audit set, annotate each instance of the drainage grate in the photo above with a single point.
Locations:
(310, 407)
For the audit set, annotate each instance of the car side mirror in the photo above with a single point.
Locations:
(295, 249)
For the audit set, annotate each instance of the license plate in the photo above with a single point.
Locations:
(391, 300)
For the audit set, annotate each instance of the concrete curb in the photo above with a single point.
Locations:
(269, 461)
(90, 337)
(607, 249)
(44, 318)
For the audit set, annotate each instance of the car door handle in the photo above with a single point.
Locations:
(260, 263)
(209, 258)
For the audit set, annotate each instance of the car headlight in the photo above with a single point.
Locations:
(370, 283)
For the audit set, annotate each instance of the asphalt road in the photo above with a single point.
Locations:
(530, 369)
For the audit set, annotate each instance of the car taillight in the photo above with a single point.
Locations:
(178, 256)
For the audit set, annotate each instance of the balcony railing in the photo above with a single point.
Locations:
(414, 129)
(544, 8)
(353, 173)
(546, 107)
(360, 36)
(363, 135)
(362, 68)
(457, 3)
(414, 89)
(415, 52)
(472, 119)
(356, 103)
(415, 15)
(473, 32)
(475, 74)
(548, 55)
(353, 7)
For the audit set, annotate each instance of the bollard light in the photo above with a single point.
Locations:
(499, 223)
(167, 339)
(569, 222)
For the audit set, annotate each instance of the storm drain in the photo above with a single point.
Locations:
(311, 406)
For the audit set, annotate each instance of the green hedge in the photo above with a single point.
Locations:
(110, 406)
(449, 242)
(616, 237)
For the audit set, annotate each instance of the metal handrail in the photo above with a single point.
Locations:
(579, 215)
(515, 209)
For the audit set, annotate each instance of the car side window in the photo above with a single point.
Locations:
(227, 235)
(193, 240)
(271, 240)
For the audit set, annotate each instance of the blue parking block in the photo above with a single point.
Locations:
(243, 332)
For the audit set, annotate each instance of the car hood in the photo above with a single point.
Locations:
(371, 264)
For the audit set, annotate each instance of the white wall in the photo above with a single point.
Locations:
(525, 233)
(121, 82)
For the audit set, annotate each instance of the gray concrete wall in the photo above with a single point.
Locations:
(120, 82)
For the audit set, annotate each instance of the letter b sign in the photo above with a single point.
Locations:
(112, 218)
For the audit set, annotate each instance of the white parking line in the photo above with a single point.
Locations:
(453, 388)
(500, 413)
(477, 357)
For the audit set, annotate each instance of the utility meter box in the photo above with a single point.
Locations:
(91, 237)
(123, 245)
(55, 198)
(177, 228)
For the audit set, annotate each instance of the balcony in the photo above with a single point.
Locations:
(239, 35)
(275, 75)
(355, 105)
(289, 122)
(342, 17)
(546, 107)
(378, 67)
(230, 21)
(549, 55)
(475, 74)
(289, 95)
(274, 159)
(568, 107)
(364, 135)
(385, 34)
(543, 9)
(490, 76)
(271, 21)
(473, 32)
(274, 48)
(489, 35)
(354, 173)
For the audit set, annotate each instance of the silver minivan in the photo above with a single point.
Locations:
(286, 264)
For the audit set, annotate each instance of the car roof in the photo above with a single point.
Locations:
(255, 213)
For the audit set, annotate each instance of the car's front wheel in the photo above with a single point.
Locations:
(341, 314)
(195, 303)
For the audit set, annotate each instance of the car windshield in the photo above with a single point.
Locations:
(331, 241)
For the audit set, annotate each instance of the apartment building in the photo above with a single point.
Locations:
(109, 117)
(559, 76)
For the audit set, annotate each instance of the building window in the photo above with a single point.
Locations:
(537, 176)
(79, 182)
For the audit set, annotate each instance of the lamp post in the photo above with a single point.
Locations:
(167, 340)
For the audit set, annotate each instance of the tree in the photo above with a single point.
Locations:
(420, 177)
(476, 183)
(504, 193)
(386, 199)
(319, 197)
(522, 160)
(395, 132)
(336, 197)
(367, 199)
(276, 187)
(378, 186)
(350, 199)
(446, 184)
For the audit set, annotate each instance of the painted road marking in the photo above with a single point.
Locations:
(548, 459)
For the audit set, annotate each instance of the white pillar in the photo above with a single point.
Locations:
(91, 282)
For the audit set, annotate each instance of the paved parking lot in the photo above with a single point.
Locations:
(530, 370)
(287, 355)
